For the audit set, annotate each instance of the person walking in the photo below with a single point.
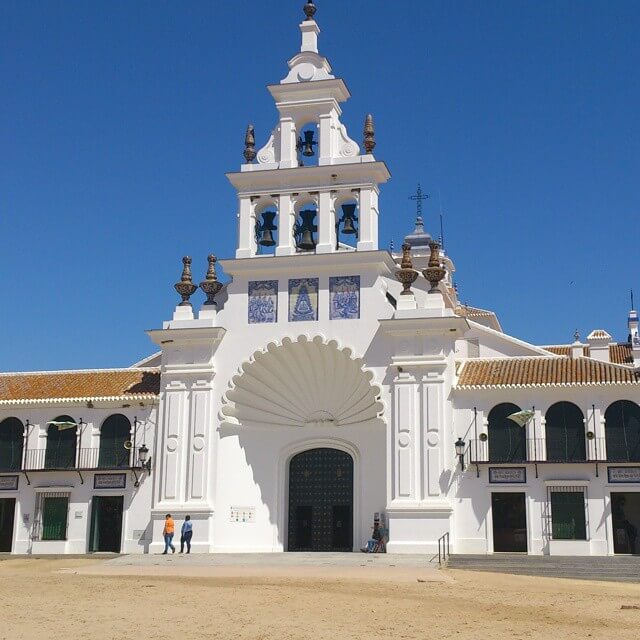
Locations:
(186, 533)
(168, 532)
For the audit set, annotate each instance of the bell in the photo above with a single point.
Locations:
(308, 144)
(348, 219)
(266, 229)
(305, 230)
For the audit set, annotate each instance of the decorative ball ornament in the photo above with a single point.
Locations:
(406, 274)
(210, 284)
(435, 272)
(310, 10)
(185, 287)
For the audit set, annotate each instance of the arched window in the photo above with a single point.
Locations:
(507, 440)
(565, 433)
(347, 223)
(11, 442)
(266, 229)
(61, 444)
(622, 431)
(114, 434)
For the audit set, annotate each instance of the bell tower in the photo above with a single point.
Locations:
(311, 188)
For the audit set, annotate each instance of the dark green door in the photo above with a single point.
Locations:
(509, 522)
(321, 501)
(106, 524)
(7, 511)
(54, 518)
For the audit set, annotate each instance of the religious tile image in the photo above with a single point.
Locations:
(263, 301)
(303, 299)
(344, 298)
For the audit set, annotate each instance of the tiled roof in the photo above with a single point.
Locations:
(565, 349)
(621, 353)
(598, 334)
(542, 372)
(473, 312)
(102, 384)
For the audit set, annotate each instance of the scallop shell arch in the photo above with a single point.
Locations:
(302, 383)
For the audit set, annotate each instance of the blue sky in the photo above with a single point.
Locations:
(119, 119)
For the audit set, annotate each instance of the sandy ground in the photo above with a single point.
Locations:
(67, 598)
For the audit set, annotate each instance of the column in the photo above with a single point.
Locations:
(286, 218)
(326, 224)
(288, 138)
(368, 237)
(246, 229)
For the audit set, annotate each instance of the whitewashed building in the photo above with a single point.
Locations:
(326, 382)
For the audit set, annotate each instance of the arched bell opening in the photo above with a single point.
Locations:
(305, 228)
(266, 229)
(347, 221)
(307, 144)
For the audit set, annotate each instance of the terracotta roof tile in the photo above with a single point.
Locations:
(621, 353)
(473, 312)
(565, 349)
(533, 372)
(76, 385)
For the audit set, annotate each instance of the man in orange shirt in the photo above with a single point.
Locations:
(167, 532)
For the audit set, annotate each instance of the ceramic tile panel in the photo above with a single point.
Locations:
(303, 299)
(344, 298)
(263, 301)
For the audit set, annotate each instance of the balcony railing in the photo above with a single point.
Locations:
(82, 459)
(535, 450)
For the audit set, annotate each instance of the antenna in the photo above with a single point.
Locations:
(441, 220)
(632, 307)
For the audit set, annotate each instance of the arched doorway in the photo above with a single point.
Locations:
(321, 501)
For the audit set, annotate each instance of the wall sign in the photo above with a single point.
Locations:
(507, 475)
(624, 474)
(110, 481)
(263, 301)
(9, 483)
(344, 297)
(243, 514)
(303, 299)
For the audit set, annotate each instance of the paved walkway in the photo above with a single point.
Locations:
(608, 568)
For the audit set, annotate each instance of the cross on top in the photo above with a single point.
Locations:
(419, 197)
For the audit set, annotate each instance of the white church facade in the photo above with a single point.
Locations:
(326, 382)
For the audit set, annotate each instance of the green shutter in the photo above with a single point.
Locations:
(54, 518)
(568, 520)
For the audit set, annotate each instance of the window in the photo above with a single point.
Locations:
(61, 444)
(622, 431)
(11, 442)
(568, 519)
(507, 440)
(54, 510)
(114, 434)
(565, 437)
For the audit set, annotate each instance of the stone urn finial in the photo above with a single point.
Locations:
(250, 144)
(435, 272)
(185, 287)
(210, 284)
(369, 134)
(406, 274)
(310, 10)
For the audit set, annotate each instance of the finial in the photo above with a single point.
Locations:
(576, 336)
(419, 197)
(210, 284)
(369, 134)
(391, 246)
(310, 10)
(185, 287)
(406, 274)
(250, 144)
(435, 272)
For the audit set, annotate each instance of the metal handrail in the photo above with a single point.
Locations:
(443, 548)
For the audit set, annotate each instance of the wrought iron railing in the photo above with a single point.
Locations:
(535, 450)
(71, 459)
(443, 548)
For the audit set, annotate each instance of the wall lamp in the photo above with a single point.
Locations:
(460, 447)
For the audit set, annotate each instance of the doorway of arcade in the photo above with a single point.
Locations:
(7, 511)
(106, 524)
(509, 517)
(625, 514)
(321, 501)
